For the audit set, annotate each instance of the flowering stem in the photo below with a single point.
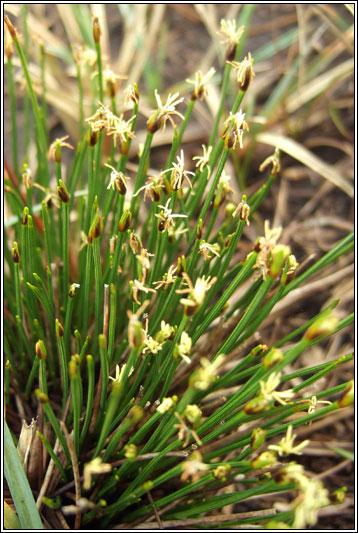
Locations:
(98, 286)
(224, 87)
(80, 99)
(211, 192)
(100, 73)
(116, 257)
(178, 139)
(90, 397)
(113, 403)
(41, 136)
(43, 87)
(140, 177)
(52, 455)
(86, 292)
(76, 403)
(65, 253)
(14, 143)
(64, 370)
(229, 343)
(216, 309)
(112, 321)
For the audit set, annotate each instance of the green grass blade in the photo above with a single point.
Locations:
(19, 487)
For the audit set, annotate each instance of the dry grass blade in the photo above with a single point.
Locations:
(318, 85)
(150, 37)
(69, 23)
(299, 152)
(218, 519)
(134, 20)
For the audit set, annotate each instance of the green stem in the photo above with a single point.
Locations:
(14, 142)
(90, 398)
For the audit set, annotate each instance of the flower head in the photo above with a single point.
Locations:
(160, 116)
(231, 36)
(208, 251)
(117, 181)
(120, 372)
(118, 127)
(204, 376)
(204, 159)
(265, 246)
(131, 94)
(233, 130)
(245, 71)
(137, 286)
(193, 467)
(110, 80)
(273, 160)
(268, 389)
(196, 293)
(168, 278)
(308, 502)
(184, 347)
(185, 432)
(166, 217)
(200, 89)
(286, 447)
(243, 209)
(228, 31)
(178, 173)
(54, 151)
(167, 403)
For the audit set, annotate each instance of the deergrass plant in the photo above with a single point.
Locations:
(131, 333)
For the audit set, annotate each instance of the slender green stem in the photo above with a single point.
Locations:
(98, 286)
(52, 455)
(41, 135)
(63, 363)
(90, 398)
(14, 136)
(54, 423)
(86, 292)
(224, 87)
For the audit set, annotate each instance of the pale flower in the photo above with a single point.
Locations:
(307, 504)
(200, 89)
(167, 403)
(265, 245)
(120, 373)
(197, 292)
(184, 347)
(245, 71)
(58, 143)
(164, 112)
(228, 31)
(94, 467)
(286, 447)
(151, 345)
(178, 173)
(268, 389)
(203, 160)
(117, 180)
(168, 278)
(193, 467)
(235, 125)
(205, 375)
(166, 217)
